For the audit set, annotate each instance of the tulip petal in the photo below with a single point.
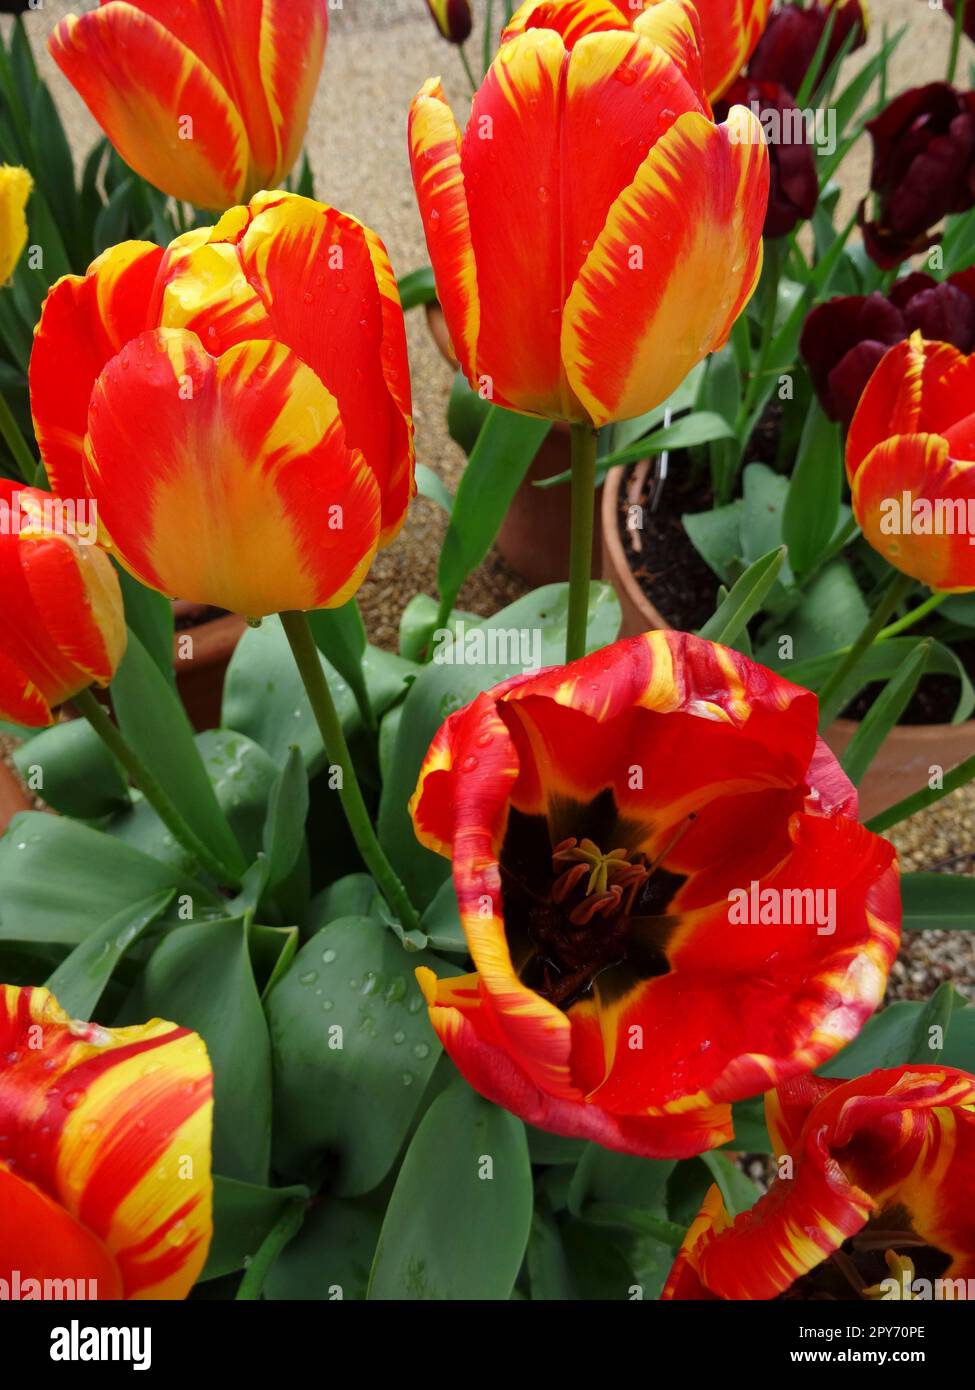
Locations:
(896, 395)
(905, 474)
(573, 19)
(511, 156)
(77, 592)
(20, 700)
(616, 82)
(249, 497)
(85, 321)
(114, 1126)
(439, 181)
(467, 1032)
(144, 86)
(15, 188)
(656, 292)
(326, 283)
(42, 1241)
(674, 26)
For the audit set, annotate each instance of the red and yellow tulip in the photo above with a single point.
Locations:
(594, 233)
(15, 188)
(207, 99)
(238, 405)
(910, 459)
(104, 1151)
(598, 816)
(62, 625)
(875, 1183)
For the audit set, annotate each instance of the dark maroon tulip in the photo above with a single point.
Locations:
(788, 46)
(845, 338)
(923, 169)
(794, 188)
(452, 18)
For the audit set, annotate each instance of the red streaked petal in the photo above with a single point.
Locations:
(86, 319)
(114, 1126)
(141, 83)
(332, 299)
(439, 182)
(692, 219)
(896, 476)
(572, 19)
(511, 159)
(494, 1072)
(249, 449)
(77, 592)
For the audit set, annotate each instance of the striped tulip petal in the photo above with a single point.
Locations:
(879, 1165)
(105, 1154)
(730, 31)
(165, 112)
(657, 292)
(910, 459)
(249, 490)
(603, 820)
(86, 319)
(62, 624)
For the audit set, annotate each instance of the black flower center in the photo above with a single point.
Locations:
(576, 912)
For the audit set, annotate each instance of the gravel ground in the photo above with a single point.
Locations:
(379, 53)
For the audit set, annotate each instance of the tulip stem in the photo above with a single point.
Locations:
(832, 696)
(16, 443)
(584, 442)
(309, 665)
(287, 1226)
(158, 799)
(467, 67)
(956, 34)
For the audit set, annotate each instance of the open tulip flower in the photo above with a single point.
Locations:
(104, 1153)
(238, 405)
(207, 99)
(62, 624)
(873, 1197)
(594, 234)
(601, 818)
(910, 460)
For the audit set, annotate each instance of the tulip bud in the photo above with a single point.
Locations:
(210, 107)
(910, 461)
(62, 625)
(923, 169)
(452, 18)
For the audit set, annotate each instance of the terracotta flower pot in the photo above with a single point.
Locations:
(903, 764)
(534, 536)
(13, 795)
(200, 675)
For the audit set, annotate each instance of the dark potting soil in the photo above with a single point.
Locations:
(934, 701)
(664, 563)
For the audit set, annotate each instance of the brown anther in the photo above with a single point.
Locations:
(604, 903)
(565, 883)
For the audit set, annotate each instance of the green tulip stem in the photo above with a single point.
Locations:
(467, 68)
(831, 694)
(327, 718)
(158, 799)
(580, 556)
(956, 34)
